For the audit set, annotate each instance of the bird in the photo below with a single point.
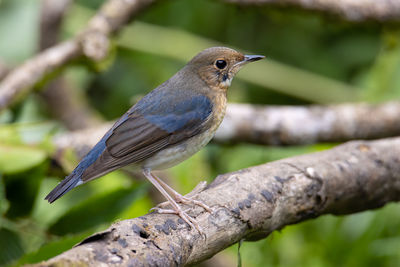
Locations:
(165, 127)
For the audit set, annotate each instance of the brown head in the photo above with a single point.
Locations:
(218, 65)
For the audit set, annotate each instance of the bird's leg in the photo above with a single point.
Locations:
(181, 199)
(176, 208)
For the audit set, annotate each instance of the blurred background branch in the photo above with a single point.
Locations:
(301, 125)
(359, 10)
(4, 70)
(250, 204)
(280, 125)
(93, 43)
(64, 101)
(51, 15)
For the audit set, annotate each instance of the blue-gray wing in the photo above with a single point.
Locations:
(148, 128)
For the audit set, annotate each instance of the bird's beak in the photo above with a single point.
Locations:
(251, 58)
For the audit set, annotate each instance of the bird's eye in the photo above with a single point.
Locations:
(220, 63)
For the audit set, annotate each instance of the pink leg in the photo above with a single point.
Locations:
(182, 199)
(176, 209)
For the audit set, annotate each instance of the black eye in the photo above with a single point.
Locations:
(220, 63)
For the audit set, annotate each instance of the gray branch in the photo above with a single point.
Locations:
(4, 70)
(93, 43)
(250, 204)
(51, 15)
(63, 100)
(296, 125)
(359, 10)
(281, 125)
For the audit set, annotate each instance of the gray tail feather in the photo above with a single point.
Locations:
(64, 186)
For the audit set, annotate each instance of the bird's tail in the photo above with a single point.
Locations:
(78, 175)
(71, 181)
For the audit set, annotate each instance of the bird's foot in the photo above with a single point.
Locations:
(181, 213)
(188, 199)
(164, 211)
(176, 209)
(185, 200)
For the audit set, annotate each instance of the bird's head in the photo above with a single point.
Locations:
(218, 65)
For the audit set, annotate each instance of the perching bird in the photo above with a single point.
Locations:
(165, 127)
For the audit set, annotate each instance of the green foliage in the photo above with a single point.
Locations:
(310, 59)
(19, 158)
(89, 213)
(22, 17)
(11, 245)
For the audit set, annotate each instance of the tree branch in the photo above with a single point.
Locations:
(51, 15)
(360, 10)
(281, 125)
(4, 70)
(250, 204)
(62, 98)
(93, 43)
(297, 125)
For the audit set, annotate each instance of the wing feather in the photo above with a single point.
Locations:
(141, 133)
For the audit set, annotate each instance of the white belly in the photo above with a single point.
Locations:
(178, 153)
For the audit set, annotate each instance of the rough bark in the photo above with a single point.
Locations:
(93, 43)
(280, 125)
(353, 10)
(250, 204)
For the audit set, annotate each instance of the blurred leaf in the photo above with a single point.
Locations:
(14, 159)
(266, 73)
(25, 133)
(383, 80)
(5, 116)
(18, 16)
(139, 207)
(52, 249)
(386, 247)
(97, 210)
(47, 214)
(42, 211)
(186, 175)
(9, 135)
(22, 188)
(29, 110)
(4, 205)
(10, 246)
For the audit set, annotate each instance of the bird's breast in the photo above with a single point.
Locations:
(219, 109)
(177, 153)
